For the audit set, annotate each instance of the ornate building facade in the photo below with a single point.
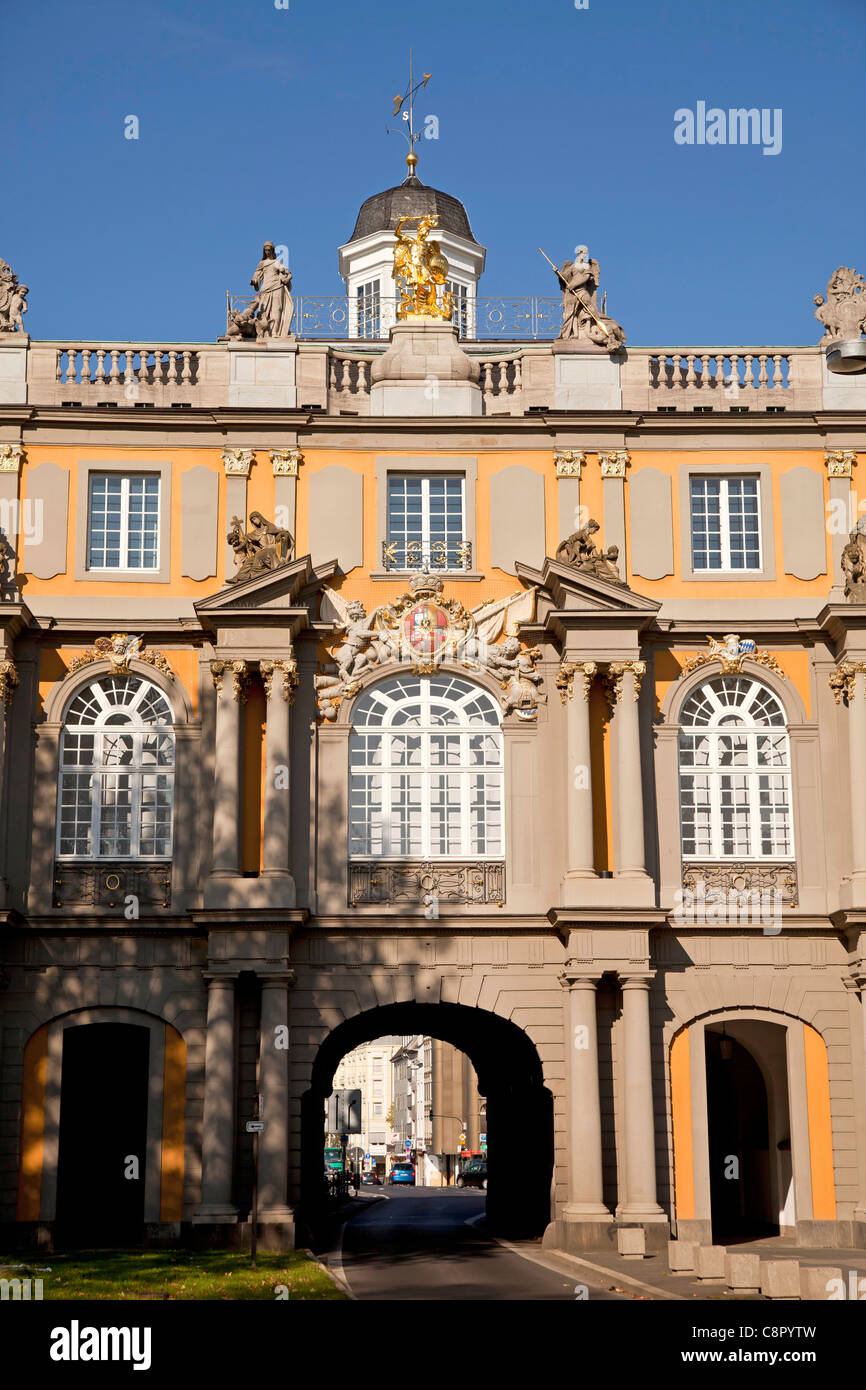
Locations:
(504, 690)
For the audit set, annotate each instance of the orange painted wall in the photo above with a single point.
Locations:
(681, 1123)
(820, 1126)
(173, 1127)
(32, 1127)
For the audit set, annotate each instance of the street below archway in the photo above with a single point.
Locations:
(430, 1243)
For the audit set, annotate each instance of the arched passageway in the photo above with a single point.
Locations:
(519, 1106)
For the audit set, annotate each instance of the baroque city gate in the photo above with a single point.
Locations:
(519, 1106)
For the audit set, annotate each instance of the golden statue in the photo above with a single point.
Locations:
(419, 267)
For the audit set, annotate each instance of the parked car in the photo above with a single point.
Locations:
(474, 1174)
(403, 1172)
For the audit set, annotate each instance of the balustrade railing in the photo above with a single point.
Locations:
(124, 364)
(496, 317)
(712, 369)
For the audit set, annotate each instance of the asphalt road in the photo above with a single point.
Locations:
(423, 1243)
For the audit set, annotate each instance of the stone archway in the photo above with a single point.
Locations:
(519, 1106)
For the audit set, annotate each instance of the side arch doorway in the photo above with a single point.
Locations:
(519, 1107)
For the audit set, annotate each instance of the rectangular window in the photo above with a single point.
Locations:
(426, 521)
(461, 307)
(725, 523)
(368, 310)
(123, 521)
(377, 1110)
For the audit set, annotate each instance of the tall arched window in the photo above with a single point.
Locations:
(735, 777)
(116, 772)
(426, 771)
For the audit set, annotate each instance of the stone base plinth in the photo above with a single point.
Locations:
(585, 380)
(263, 374)
(13, 368)
(425, 372)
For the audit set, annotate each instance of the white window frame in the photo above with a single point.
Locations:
(395, 693)
(426, 542)
(99, 770)
(124, 566)
(368, 308)
(724, 480)
(752, 771)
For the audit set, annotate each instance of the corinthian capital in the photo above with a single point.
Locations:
(840, 462)
(613, 465)
(615, 675)
(285, 462)
(287, 669)
(238, 462)
(240, 673)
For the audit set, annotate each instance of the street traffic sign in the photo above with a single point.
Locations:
(255, 1126)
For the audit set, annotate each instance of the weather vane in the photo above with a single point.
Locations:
(405, 104)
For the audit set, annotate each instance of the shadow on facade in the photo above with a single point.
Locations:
(519, 1108)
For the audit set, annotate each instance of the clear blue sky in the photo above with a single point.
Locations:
(556, 127)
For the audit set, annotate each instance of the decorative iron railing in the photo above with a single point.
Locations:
(498, 318)
(437, 555)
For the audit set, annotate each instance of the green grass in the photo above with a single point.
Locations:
(173, 1275)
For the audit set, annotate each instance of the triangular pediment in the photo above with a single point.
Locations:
(571, 589)
(289, 592)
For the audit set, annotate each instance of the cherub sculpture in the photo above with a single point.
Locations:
(365, 643)
(515, 669)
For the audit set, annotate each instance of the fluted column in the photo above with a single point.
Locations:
(274, 1088)
(278, 679)
(218, 1119)
(640, 1202)
(585, 1201)
(629, 855)
(574, 682)
(229, 681)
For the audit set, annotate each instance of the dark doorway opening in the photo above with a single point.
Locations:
(739, 1146)
(103, 1122)
(519, 1108)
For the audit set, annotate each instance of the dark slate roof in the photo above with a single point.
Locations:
(411, 198)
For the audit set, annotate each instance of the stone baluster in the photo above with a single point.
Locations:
(518, 374)
(640, 1201)
(218, 1130)
(735, 370)
(749, 377)
(332, 377)
(84, 377)
(487, 384)
(114, 373)
(762, 369)
(690, 369)
(706, 380)
(503, 376)
(172, 367)
(100, 366)
(58, 368)
(364, 378)
(778, 359)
